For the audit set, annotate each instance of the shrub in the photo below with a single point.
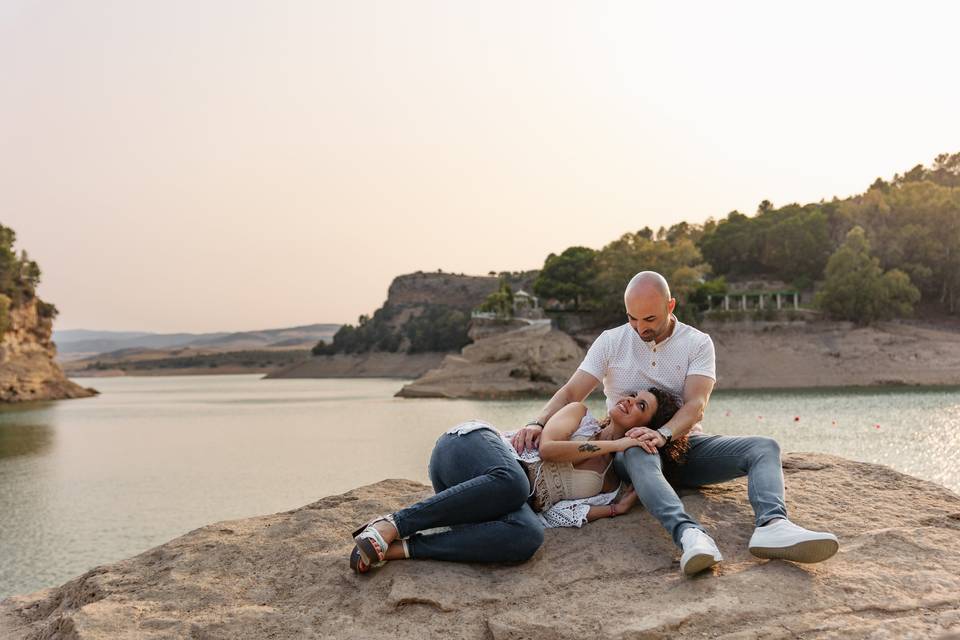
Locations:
(4, 313)
(47, 310)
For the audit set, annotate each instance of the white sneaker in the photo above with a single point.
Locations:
(784, 540)
(699, 552)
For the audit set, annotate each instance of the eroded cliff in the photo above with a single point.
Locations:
(27, 367)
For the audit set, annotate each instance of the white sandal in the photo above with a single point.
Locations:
(371, 549)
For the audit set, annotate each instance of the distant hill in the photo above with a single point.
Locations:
(83, 342)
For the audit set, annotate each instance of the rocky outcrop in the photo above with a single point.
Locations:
(286, 575)
(27, 367)
(451, 289)
(533, 360)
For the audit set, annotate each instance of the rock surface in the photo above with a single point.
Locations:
(27, 367)
(533, 360)
(286, 575)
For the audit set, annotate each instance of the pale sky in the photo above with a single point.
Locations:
(230, 165)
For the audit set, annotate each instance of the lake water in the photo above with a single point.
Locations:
(86, 482)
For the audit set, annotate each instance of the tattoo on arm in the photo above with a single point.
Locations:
(586, 446)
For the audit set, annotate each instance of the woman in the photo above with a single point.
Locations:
(482, 489)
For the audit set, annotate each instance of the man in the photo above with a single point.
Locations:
(654, 349)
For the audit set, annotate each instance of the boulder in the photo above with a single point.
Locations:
(534, 360)
(286, 575)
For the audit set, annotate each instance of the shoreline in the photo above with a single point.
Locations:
(897, 386)
(527, 363)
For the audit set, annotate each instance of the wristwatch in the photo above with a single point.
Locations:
(666, 433)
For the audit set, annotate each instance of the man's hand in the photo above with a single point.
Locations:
(649, 439)
(527, 438)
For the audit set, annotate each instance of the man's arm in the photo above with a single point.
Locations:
(696, 395)
(577, 388)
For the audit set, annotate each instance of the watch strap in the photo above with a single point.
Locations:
(666, 433)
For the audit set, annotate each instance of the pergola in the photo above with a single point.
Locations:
(754, 300)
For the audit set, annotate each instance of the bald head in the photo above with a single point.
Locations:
(649, 306)
(648, 283)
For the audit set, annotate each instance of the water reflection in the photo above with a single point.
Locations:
(26, 429)
(21, 440)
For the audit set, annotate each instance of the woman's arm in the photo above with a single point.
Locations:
(602, 511)
(555, 444)
(624, 504)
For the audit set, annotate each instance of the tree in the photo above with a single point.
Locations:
(700, 297)
(945, 172)
(438, 328)
(568, 277)
(680, 263)
(915, 227)
(733, 246)
(29, 272)
(322, 349)
(857, 289)
(19, 276)
(791, 243)
(796, 244)
(500, 301)
(683, 230)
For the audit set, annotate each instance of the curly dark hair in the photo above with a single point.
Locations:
(667, 405)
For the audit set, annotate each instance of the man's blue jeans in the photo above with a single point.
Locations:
(710, 460)
(481, 493)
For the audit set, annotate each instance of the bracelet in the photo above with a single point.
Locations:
(534, 422)
(613, 510)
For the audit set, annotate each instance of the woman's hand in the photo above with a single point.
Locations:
(626, 501)
(647, 438)
(625, 443)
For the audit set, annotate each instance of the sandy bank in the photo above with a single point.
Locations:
(754, 356)
(367, 365)
(835, 355)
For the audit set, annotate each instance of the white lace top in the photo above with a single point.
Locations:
(566, 513)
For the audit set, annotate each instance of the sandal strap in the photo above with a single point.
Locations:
(360, 566)
(380, 545)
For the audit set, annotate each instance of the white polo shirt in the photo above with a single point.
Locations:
(626, 364)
